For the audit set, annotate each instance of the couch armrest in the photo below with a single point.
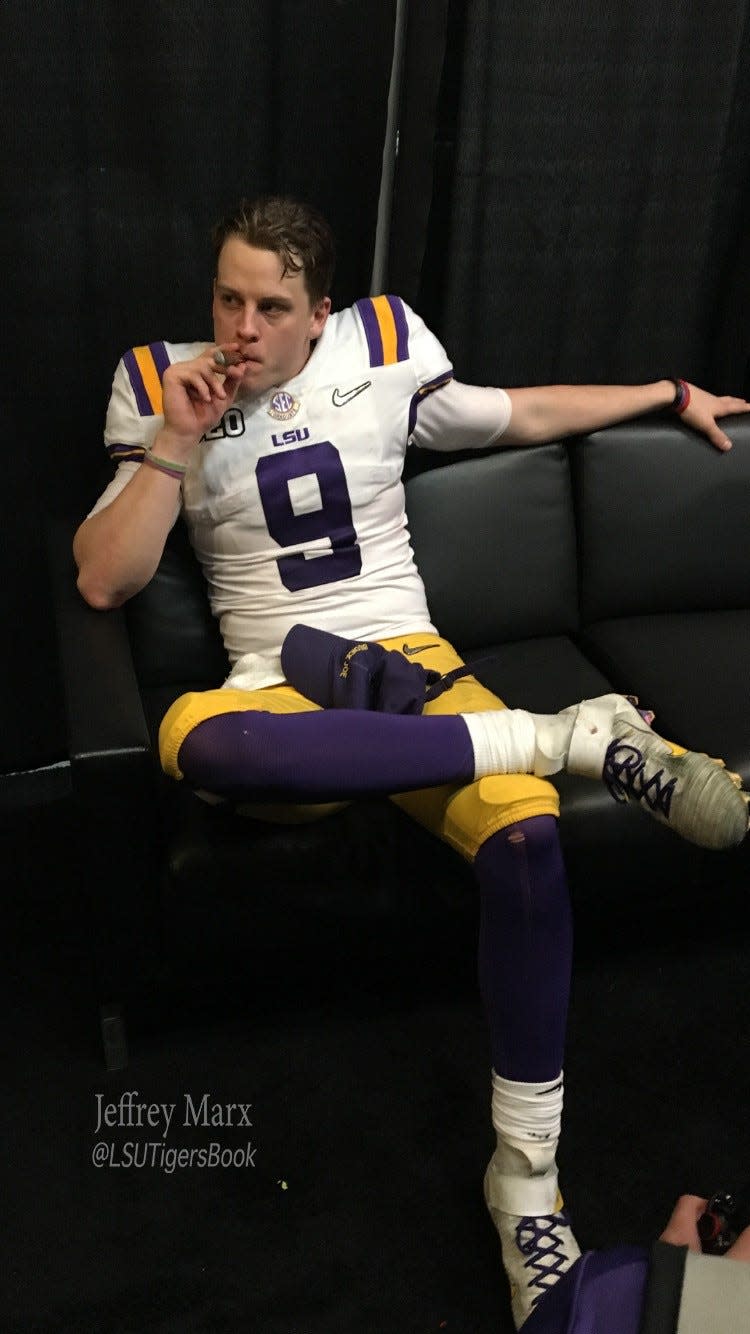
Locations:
(114, 779)
(106, 725)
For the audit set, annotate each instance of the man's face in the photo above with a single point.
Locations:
(268, 314)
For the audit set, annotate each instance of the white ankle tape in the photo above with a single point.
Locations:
(503, 741)
(592, 733)
(553, 733)
(528, 1112)
(515, 1185)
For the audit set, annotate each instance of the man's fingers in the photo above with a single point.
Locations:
(207, 384)
(718, 437)
(204, 385)
(708, 426)
(729, 404)
(682, 1228)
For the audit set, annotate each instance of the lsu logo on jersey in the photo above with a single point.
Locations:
(293, 437)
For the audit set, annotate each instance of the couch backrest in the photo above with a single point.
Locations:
(663, 519)
(495, 544)
(494, 540)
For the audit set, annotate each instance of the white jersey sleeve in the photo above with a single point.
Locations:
(461, 416)
(134, 414)
(397, 336)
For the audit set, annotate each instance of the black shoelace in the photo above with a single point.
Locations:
(624, 774)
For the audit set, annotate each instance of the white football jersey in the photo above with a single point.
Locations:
(294, 501)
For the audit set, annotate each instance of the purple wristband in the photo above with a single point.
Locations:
(176, 470)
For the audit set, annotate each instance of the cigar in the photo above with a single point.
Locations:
(223, 360)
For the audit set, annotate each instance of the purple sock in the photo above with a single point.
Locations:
(525, 948)
(326, 755)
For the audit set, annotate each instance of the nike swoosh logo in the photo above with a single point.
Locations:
(340, 399)
(420, 648)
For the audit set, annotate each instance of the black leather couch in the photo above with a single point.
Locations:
(618, 561)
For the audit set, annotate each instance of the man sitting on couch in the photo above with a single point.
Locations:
(282, 442)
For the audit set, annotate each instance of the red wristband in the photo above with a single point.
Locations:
(681, 397)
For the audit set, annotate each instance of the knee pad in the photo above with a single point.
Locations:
(475, 813)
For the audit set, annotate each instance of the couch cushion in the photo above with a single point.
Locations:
(542, 675)
(662, 519)
(691, 669)
(495, 545)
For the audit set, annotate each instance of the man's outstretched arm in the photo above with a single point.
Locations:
(550, 412)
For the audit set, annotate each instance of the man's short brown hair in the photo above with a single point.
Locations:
(296, 232)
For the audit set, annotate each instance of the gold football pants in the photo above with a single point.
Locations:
(463, 815)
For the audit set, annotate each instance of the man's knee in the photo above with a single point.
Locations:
(482, 809)
(536, 834)
(522, 867)
(198, 706)
(187, 712)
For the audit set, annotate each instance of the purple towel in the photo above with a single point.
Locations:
(352, 674)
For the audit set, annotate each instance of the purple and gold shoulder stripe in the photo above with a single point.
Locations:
(145, 367)
(126, 453)
(384, 322)
(422, 393)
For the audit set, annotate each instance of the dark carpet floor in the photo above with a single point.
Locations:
(352, 1203)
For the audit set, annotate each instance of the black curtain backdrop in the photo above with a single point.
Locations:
(592, 224)
(572, 202)
(415, 176)
(128, 129)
